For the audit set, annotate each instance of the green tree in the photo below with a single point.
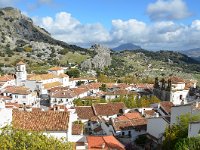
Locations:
(188, 144)
(103, 87)
(179, 131)
(15, 139)
(75, 73)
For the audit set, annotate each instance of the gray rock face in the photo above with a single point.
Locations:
(18, 31)
(100, 60)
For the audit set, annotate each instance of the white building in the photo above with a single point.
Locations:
(129, 125)
(21, 74)
(22, 95)
(63, 97)
(194, 129)
(5, 115)
(6, 80)
(156, 127)
(173, 89)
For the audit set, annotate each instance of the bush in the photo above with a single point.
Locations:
(63, 51)
(15, 139)
(28, 49)
(75, 73)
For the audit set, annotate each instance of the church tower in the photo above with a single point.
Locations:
(21, 74)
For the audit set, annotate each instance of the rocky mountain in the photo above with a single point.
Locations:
(127, 46)
(20, 38)
(100, 60)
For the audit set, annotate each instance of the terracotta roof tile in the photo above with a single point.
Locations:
(63, 94)
(166, 106)
(77, 129)
(55, 69)
(17, 90)
(20, 63)
(40, 120)
(79, 91)
(149, 112)
(52, 85)
(129, 121)
(108, 142)
(108, 109)
(6, 78)
(175, 80)
(85, 112)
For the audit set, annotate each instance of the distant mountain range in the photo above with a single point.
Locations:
(192, 52)
(127, 46)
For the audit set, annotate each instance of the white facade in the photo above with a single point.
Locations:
(56, 72)
(7, 83)
(6, 117)
(177, 111)
(21, 74)
(68, 102)
(27, 99)
(178, 97)
(194, 129)
(131, 132)
(156, 126)
(74, 138)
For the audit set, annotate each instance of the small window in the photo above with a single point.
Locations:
(24, 96)
(123, 133)
(16, 96)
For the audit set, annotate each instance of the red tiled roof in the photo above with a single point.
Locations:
(6, 78)
(40, 120)
(176, 80)
(166, 106)
(85, 112)
(149, 112)
(79, 91)
(77, 129)
(128, 116)
(21, 63)
(17, 90)
(108, 109)
(129, 121)
(55, 69)
(118, 92)
(104, 142)
(63, 94)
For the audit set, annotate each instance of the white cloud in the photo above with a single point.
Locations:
(66, 28)
(168, 10)
(158, 35)
(6, 3)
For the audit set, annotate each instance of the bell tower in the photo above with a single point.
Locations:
(21, 74)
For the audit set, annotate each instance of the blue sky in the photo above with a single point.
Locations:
(152, 24)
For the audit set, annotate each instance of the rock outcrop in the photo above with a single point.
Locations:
(100, 60)
(19, 31)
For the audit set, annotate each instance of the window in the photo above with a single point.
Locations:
(123, 133)
(88, 123)
(181, 97)
(24, 96)
(16, 96)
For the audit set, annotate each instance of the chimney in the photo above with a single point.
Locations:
(156, 114)
(142, 111)
(197, 104)
(103, 145)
